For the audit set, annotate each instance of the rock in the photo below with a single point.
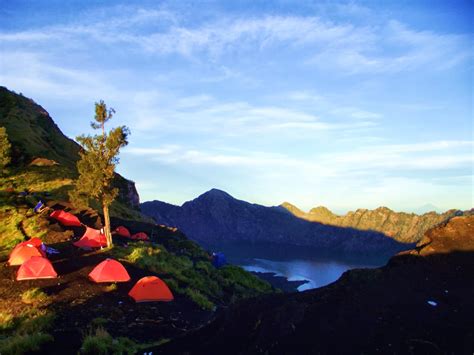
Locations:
(43, 162)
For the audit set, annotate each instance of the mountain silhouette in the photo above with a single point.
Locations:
(216, 217)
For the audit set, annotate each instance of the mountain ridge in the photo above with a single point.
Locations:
(216, 217)
(402, 226)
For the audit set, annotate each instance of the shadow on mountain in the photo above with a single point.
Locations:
(413, 305)
(216, 217)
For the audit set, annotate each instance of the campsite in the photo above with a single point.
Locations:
(236, 177)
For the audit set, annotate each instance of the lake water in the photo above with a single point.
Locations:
(317, 272)
(296, 263)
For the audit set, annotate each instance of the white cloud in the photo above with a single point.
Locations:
(351, 48)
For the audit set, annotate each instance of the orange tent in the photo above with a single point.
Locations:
(66, 218)
(92, 238)
(25, 250)
(122, 231)
(36, 267)
(109, 270)
(149, 289)
(140, 236)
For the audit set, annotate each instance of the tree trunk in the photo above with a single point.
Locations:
(108, 234)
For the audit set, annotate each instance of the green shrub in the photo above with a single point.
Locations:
(101, 342)
(199, 299)
(7, 321)
(21, 344)
(110, 288)
(39, 322)
(99, 321)
(97, 343)
(33, 295)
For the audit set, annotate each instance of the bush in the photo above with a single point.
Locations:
(21, 344)
(111, 287)
(39, 322)
(199, 299)
(101, 342)
(97, 343)
(7, 321)
(245, 283)
(33, 295)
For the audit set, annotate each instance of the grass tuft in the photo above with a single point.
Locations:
(101, 342)
(33, 295)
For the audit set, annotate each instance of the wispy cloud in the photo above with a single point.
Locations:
(343, 45)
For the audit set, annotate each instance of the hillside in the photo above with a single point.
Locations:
(215, 217)
(70, 313)
(33, 134)
(404, 227)
(419, 303)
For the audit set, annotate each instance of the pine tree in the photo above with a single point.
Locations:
(5, 149)
(96, 167)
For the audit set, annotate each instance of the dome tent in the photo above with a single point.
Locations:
(218, 259)
(140, 236)
(122, 231)
(25, 250)
(36, 267)
(109, 270)
(150, 289)
(92, 238)
(66, 218)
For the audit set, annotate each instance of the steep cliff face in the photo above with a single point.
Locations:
(217, 217)
(419, 303)
(404, 227)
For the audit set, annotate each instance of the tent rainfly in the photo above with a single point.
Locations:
(150, 289)
(66, 218)
(36, 267)
(140, 236)
(92, 238)
(25, 250)
(109, 270)
(123, 232)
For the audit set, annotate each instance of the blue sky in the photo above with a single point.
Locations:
(343, 104)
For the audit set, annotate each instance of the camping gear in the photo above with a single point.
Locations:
(109, 270)
(218, 259)
(36, 267)
(92, 238)
(66, 218)
(140, 236)
(39, 207)
(122, 231)
(150, 289)
(25, 250)
(50, 250)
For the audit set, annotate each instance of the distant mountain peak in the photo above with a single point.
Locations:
(216, 193)
(321, 210)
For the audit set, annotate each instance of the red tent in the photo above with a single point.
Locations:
(92, 238)
(25, 250)
(122, 231)
(36, 267)
(149, 289)
(66, 218)
(140, 236)
(109, 270)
